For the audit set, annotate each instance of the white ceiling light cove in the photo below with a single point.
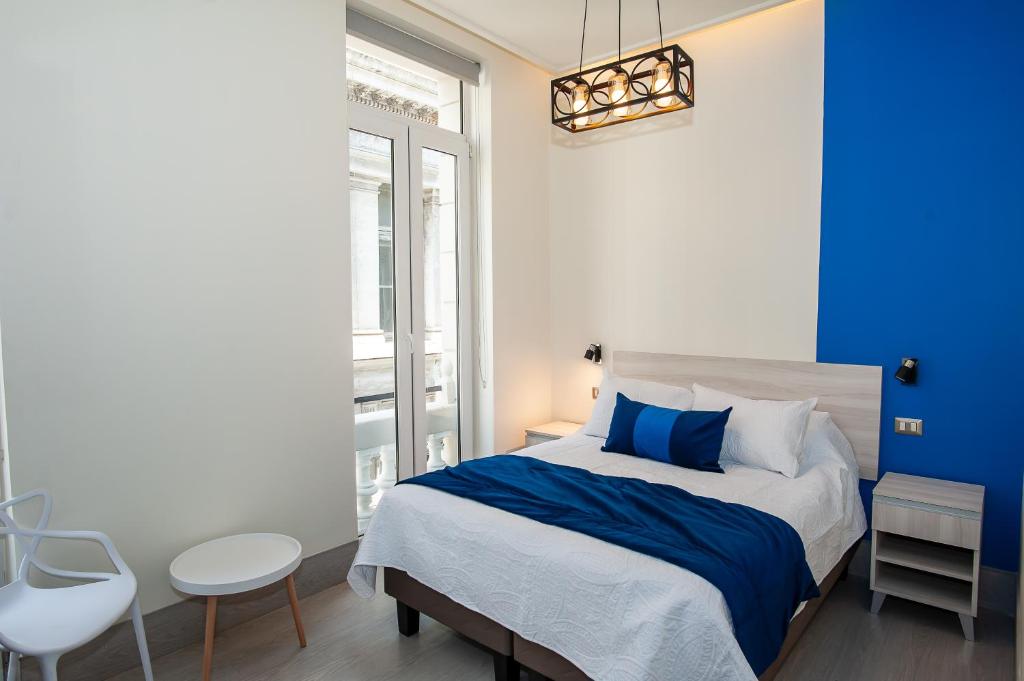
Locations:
(547, 32)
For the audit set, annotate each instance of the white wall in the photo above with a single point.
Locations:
(520, 288)
(174, 265)
(696, 232)
(174, 270)
(515, 375)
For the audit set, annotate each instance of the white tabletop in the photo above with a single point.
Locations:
(231, 565)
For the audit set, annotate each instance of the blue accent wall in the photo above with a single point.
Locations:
(922, 234)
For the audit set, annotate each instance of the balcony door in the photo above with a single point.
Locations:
(409, 222)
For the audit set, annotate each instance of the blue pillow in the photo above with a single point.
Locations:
(692, 439)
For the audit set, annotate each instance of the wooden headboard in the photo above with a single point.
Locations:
(852, 393)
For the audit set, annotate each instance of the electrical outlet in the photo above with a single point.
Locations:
(593, 392)
(905, 426)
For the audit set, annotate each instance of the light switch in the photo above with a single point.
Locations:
(905, 426)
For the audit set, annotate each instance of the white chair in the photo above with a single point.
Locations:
(46, 623)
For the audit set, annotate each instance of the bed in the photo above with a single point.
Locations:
(568, 606)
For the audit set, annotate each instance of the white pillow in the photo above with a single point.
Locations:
(766, 434)
(658, 394)
(824, 440)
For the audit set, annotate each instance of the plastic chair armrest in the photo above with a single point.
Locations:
(44, 517)
(81, 535)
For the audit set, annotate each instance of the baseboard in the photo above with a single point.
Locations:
(182, 624)
(997, 589)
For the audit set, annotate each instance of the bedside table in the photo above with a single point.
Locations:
(926, 544)
(550, 431)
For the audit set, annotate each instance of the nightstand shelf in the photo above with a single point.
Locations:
(948, 561)
(924, 587)
(926, 544)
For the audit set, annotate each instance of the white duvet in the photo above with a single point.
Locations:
(614, 613)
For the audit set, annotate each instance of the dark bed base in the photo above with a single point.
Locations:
(511, 650)
(414, 598)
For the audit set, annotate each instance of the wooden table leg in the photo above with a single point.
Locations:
(293, 597)
(211, 625)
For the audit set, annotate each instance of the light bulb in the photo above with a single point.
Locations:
(618, 85)
(661, 81)
(580, 95)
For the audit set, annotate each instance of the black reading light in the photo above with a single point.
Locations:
(593, 353)
(907, 373)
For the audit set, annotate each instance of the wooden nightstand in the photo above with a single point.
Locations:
(550, 431)
(926, 544)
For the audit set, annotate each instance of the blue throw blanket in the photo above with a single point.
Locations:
(755, 559)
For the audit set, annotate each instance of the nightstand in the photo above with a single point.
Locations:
(550, 431)
(926, 544)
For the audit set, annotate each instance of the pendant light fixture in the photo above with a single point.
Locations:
(629, 89)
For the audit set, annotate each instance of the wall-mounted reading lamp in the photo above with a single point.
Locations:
(593, 353)
(907, 373)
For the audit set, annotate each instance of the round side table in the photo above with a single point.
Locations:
(232, 565)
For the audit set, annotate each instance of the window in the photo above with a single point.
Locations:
(385, 252)
(386, 281)
(383, 80)
(409, 220)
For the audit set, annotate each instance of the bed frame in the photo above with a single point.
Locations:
(851, 393)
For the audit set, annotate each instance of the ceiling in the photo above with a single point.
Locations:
(547, 32)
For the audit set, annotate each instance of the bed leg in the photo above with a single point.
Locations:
(535, 676)
(408, 620)
(505, 668)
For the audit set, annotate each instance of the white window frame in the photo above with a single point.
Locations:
(410, 137)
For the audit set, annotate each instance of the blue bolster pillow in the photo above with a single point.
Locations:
(692, 439)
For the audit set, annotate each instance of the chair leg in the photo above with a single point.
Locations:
(48, 666)
(140, 639)
(13, 665)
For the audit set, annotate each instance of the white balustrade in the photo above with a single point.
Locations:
(388, 467)
(449, 449)
(377, 456)
(449, 391)
(435, 451)
(366, 471)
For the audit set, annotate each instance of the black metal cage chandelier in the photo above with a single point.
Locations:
(648, 84)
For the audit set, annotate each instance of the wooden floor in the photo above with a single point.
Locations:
(355, 640)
